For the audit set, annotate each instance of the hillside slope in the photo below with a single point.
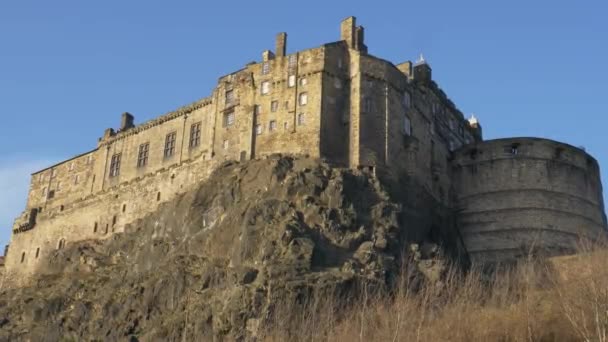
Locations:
(214, 261)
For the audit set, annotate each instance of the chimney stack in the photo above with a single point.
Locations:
(281, 44)
(126, 121)
(347, 31)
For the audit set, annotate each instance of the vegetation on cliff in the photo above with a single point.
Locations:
(288, 249)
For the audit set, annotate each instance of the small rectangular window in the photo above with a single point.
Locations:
(303, 81)
(142, 155)
(274, 106)
(115, 165)
(76, 179)
(229, 97)
(170, 144)
(367, 105)
(265, 87)
(407, 126)
(265, 68)
(303, 99)
(291, 81)
(272, 125)
(228, 119)
(301, 119)
(258, 129)
(406, 100)
(293, 60)
(195, 135)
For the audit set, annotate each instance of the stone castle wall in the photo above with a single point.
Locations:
(334, 102)
(516, 193)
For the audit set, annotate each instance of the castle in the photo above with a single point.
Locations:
(341, 104)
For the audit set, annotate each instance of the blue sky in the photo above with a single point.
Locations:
(68, 69)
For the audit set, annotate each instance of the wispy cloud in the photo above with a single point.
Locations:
(14, 186)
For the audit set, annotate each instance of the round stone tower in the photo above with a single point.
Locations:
(520, 195)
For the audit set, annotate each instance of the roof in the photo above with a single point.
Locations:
(65, 161)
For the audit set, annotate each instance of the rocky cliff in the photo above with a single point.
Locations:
(214, 261)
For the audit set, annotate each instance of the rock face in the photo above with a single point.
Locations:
(212, 262)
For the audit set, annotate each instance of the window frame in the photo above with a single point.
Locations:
(229, 118)
(303, 98)
(115, 162)
(265, 87)
(170, 143)
(143, 153)
(195, 134)
(291, 81)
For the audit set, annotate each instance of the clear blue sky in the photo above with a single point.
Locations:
(68, 69)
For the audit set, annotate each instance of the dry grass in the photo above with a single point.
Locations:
(562, 299)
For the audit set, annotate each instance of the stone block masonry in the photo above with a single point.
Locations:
(336, 102)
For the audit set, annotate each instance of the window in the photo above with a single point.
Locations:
(514, 149)
(367, 105)
(274, 106)
(291, 81)
(95, 228)
(51, 194)
(228, 119)
(293, 60)
(37, 252)
(337, 83)
(272, 126)
(22, 257)
(406, 100)
(265, 68)
(407, 126)
(142, 155)
(229, 96)
(258, 129)
(61, 244)
(124, 208)
(303, 99)
(265, 87)
(303, 81)
(225, 144)
(170, 144)
(158, 196)
(195, 134)
(301, 119)
(115, 165)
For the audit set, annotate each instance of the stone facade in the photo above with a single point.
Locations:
(335, 102)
